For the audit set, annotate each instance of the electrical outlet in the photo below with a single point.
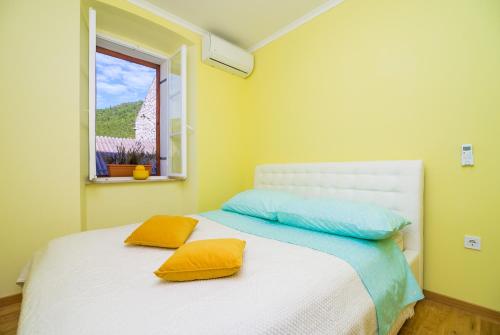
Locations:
(472, 242)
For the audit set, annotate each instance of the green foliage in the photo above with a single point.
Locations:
(117, 121)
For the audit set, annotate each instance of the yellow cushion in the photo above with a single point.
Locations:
(163, 231)
(205, 259)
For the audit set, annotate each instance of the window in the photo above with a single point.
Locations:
(137, 109)
(127, 112)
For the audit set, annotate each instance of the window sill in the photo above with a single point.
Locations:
(119, 180)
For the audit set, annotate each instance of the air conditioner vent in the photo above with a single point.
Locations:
(226, 56)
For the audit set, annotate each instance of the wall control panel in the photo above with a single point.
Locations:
(467, 155)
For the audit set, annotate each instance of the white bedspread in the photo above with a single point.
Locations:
(91, 283)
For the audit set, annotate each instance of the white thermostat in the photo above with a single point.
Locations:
(467, 155)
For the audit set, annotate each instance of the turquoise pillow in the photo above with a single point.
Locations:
(259, 203)
(340, 217)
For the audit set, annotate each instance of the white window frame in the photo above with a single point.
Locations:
(92, 94)
(183, 131)
(164, 135)
(164, 62)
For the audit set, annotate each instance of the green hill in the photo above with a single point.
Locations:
(117, 121)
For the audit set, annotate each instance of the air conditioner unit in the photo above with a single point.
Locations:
(226, 56)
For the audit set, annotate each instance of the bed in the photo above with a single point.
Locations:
(90, 283)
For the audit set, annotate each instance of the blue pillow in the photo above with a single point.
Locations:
(260, 203)
(342, 217)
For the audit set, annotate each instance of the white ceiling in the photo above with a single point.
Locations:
(245, 23)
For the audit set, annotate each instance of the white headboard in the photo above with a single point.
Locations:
(397, 185)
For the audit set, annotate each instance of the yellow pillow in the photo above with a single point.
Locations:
(205, 259)
(163, 231)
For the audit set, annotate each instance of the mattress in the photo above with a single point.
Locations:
(91, 283)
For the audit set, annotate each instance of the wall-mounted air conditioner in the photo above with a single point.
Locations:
(226, 56)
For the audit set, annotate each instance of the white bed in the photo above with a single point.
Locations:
(397, 185)
(90, 283)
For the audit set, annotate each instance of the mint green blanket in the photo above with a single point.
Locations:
(381, 266)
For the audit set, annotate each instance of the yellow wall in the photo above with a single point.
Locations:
(223, 144)
(44, 97)
(393, 79)
(39, 93)
(84, 108)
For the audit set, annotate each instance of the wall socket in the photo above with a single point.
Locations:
(472, 242)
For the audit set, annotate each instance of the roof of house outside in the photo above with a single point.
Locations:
(110, 144)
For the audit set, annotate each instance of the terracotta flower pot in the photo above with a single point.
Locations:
(124, 170)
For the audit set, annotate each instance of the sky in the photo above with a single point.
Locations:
(119, 81)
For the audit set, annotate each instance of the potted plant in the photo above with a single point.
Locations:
(123, 163)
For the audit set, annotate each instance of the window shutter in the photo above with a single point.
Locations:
(92, 93)
(176, 114)
(164, 138)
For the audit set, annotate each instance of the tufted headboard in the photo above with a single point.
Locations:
(397, 185)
